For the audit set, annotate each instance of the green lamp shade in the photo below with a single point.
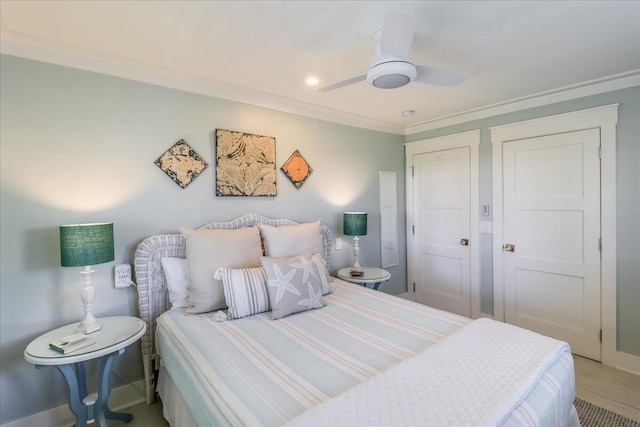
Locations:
(355, 223)
(83, 245)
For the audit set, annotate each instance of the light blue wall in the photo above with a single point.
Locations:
(79, 147)
(628, 198)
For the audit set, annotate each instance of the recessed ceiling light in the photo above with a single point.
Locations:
(312, 81)
(408, 113)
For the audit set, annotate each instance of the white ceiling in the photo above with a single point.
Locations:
(261, 51)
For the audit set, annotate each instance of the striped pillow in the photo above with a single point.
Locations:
(245, 290)
(321, 267)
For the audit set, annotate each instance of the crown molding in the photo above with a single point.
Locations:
(579, 90)
(24, 46)
(29, 47)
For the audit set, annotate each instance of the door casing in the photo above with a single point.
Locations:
(602, 118)
(552, 215)
(466, 139)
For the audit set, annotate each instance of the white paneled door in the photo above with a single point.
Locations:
(551, 203)
(441, 213)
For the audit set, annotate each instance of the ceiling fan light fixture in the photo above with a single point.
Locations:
(392, 68)
(391, 74)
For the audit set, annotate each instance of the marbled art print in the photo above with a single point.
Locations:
(245, 164)
(181, 163)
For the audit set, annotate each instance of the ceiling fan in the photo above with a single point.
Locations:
(392, 68)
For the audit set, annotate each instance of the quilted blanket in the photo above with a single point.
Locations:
(477, 377)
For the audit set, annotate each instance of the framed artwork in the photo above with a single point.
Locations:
(245, 164)
(181, 163)
(296, 169)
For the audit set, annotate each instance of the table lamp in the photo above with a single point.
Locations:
(355, 224)
(84, 245)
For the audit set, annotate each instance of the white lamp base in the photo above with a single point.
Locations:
(356, 270)
(87, 328)
(89, 324)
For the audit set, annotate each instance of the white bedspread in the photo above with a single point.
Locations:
(476, 377)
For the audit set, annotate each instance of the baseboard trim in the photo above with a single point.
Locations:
(120, 398)
(485, 316)
(405, 295)
(628, 362)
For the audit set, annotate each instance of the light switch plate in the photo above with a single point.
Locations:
(338, 243)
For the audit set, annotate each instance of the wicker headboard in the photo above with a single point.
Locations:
(153, 298)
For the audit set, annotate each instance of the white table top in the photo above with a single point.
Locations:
(371, 275)
(117, 332)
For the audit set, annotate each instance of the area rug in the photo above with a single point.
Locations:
(594, 416)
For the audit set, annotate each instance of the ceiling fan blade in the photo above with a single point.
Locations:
(438, 76)
(397, 34)
(342, 83)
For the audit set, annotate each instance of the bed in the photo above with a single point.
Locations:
(353, 357)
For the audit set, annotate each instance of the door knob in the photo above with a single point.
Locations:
(464, 242)
(509, 247)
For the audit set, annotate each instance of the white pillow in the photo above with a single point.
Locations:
(208, 250)
(176, 271)
(292, 240)
(245, 290)
(293, 285)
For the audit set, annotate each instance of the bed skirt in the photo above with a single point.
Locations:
(174, 409)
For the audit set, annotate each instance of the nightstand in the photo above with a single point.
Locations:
(117, 333)
(371, 275)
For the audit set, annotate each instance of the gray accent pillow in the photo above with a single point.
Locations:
(292, 240)
(207, 250)
(293, 284)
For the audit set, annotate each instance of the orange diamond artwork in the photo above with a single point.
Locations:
(296, 169)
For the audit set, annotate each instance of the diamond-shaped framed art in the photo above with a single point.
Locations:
(297, 169)
(181, 163)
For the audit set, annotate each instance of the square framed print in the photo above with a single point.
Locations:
(245, 164)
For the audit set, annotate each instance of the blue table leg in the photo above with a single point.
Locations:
(102, 411)
(375, 287)
(82, 379)
(75, 376)
(75, 390)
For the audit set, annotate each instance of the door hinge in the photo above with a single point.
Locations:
(600, 152)
(411, 171)
(413, 229)
(600, 335)
(600, 244)
(414, 287)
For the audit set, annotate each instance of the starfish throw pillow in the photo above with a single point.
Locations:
(294, 284)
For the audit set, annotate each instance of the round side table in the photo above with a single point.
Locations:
(117, 333)
(371, 275)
